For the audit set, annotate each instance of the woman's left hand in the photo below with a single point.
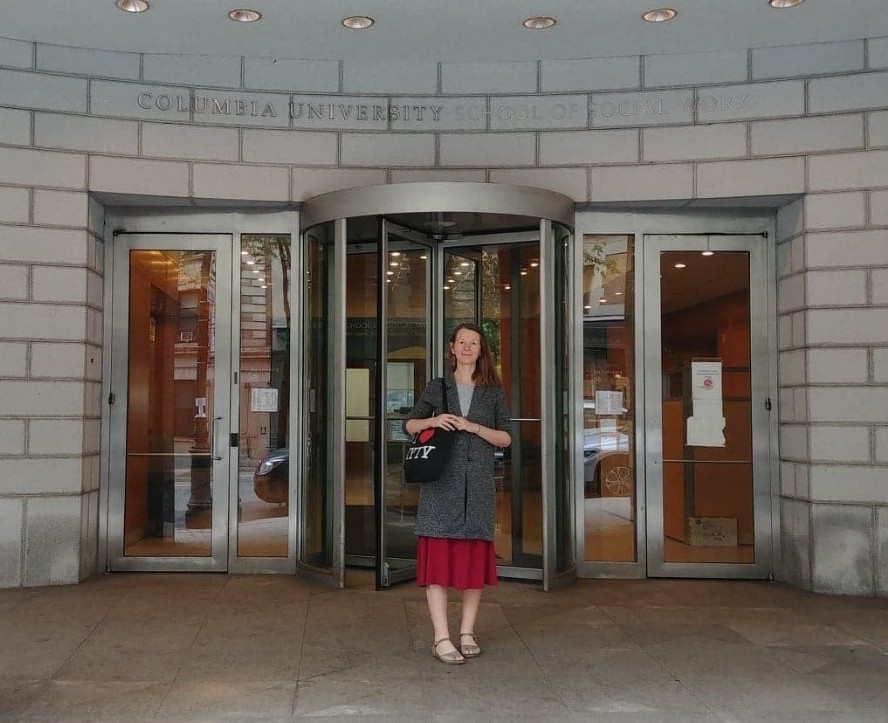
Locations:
(464, 425)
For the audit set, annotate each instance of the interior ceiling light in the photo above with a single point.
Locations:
(681, 266)
(780, 4)
(707, 253)
(539, 23)
(358, 22)
(245, 16)
(660, 15)
(132, 6)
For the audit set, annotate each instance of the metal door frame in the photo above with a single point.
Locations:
(197, 223)
(221, 410)
(385, 574)
(760, 404)
(638, 224)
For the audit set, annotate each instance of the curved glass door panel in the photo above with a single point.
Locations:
(316, 541)
(497, 286)
(405, 344)
(562, 517)
(361, 368)
(320, 523)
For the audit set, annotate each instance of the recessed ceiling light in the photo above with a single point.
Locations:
(132, 6)
(358, 22)
(780, 4)
(660, 15)
(244, 16)
(707, 253)
(681, 266)
(539, 23)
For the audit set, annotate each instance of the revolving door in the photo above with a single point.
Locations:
(390, 272)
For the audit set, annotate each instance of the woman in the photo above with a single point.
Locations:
(454, 521)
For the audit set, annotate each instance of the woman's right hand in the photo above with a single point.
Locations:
(446, 421)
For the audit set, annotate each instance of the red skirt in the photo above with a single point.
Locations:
(460, 564)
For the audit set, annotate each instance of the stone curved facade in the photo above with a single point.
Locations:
(801, 129)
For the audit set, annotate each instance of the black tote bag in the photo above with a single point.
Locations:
(427, 455)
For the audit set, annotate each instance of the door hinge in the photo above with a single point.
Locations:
(768, 403)
(385, 575)
(111, 399)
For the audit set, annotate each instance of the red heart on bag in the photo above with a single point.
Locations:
(426, 434)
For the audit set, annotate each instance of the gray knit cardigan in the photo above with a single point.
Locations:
(461, 503)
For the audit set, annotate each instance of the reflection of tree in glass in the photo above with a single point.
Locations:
(491, 301)
(275, 252)
(595, 256)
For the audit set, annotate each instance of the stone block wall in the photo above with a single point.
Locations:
(50, 377)
(808, 123)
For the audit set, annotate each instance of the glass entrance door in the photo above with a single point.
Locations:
(170, 414)
(708, 493)
(199, 474)
(497, 286)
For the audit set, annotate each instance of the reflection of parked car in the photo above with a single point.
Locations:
(271, 479)
(607, 466)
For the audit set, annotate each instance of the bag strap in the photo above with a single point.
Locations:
(444, 396)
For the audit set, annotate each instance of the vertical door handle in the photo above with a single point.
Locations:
(213, 452)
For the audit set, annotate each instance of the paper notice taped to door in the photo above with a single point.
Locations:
(706, 432)
(607, 402)
(706, 380)
(705, 428)
(263, 399)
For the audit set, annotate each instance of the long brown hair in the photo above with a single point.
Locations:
(485, 371)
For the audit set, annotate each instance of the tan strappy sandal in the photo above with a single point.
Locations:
(453, 657)
(469, 650)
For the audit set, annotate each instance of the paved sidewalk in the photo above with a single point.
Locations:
(131, 647)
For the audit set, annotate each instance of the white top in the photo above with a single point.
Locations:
(465, 397)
